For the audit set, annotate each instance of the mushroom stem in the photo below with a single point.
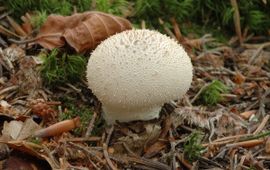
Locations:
(141, 113)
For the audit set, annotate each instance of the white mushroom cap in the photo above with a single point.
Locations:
(135, 72)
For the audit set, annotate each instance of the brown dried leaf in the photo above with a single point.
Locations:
(28, 148)
(247, 114)
(81, 31)
(21, 161)
(154, 149)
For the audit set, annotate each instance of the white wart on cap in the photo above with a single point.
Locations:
(135, 72)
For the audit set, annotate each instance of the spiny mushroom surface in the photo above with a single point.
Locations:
(135, 72)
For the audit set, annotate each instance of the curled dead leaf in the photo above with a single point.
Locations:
(82, 31)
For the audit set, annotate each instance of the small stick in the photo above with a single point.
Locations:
(142, 167)
(7, 32)
(232, 137)
(167, 30)
(257, 78)
(109, 135)
(52, 158)
(262, 103)
(74, 88)
(262, 125)
(187, 101)
(258, 51)
(218, 143)
(5, 14)
(16, 27)
(149, 162)
(8, 89)
(183, 161)
(91, 125)
(236, 19)
(173, 144)
(245, 137)
(85, 139)
(106, 156)
(241, 163)
(129, 150)
(29, 40)
(177, 31)
(247, 144)
(198, 94)
(105, 149)
(91, 153)
(22, 41)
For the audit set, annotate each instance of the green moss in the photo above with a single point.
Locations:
(116, 7)
(75, 108)
(193, 147)
(198, 31)
(83, 5)
(211, 95)
(147, 9)
(59, 69)
(72, 111)
(38, 19)
(35, 140)
(254, 14)
(207, 14)
(20, 7)
(256, 20)
(181, 10)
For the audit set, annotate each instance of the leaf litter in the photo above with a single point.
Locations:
(233, 131)
(81, 31)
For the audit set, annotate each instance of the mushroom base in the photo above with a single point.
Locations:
(130, 115)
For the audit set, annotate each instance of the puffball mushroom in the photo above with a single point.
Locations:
(133, 73)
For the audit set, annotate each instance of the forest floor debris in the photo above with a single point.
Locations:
(226, 129)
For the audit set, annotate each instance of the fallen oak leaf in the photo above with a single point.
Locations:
(81, 31)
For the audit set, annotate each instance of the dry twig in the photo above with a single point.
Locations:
(236, 19)
(91, 125)
(105, 149)
(262, 125)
